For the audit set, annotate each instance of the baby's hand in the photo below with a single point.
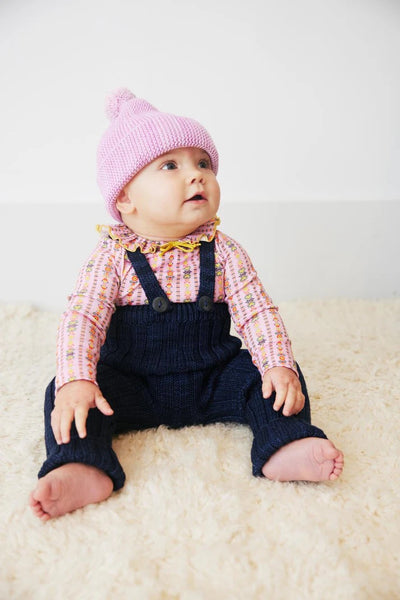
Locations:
(73, 402)
(285, 383)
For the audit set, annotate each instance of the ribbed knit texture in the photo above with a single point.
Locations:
(272, 430)
(144, 342)
(94, 450)
(139, 133)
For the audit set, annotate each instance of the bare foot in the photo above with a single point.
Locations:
(67, 488)
(308, 459)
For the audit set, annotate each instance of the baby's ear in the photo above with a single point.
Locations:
(123, 203)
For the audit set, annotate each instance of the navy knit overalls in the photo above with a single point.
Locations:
(177, 365)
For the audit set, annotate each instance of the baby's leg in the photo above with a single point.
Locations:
(290, 448)
(86, 470)
(68, 488)
(81, 472)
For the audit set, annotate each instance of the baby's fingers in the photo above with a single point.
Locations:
(294, 403)
(300, 402)
(55, 425)
(81, 414)
(267, 388)
(103, 405)
(66, 418)
(290, 403)
(280, 397)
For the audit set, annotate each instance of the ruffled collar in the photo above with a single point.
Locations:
(129, 240)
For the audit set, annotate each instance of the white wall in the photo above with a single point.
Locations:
(300, 96)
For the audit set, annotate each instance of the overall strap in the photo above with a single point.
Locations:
(155, 294)
(205, 298)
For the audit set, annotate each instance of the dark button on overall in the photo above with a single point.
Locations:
(206, 303)
(160, 304)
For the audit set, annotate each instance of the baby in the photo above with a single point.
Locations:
(145, 340)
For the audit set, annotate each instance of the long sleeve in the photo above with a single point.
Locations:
(83, 325)
(255, 316)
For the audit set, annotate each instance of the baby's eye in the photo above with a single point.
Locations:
(204, 163)
(169, 166)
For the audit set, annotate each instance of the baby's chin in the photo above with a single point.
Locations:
(168, 231)
(195, 224)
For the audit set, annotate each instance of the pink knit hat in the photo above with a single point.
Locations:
(138, 134)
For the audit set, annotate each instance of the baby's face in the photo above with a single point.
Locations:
(172, 196)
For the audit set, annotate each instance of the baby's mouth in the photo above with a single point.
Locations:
(196, 198)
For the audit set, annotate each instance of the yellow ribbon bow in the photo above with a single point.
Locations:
(184, 246)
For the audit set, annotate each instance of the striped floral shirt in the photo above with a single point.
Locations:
(107, 280)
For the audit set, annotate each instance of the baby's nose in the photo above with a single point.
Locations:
(195, 174)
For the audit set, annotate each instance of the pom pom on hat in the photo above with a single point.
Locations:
(115, 100)
(123, 99)
(138, 133)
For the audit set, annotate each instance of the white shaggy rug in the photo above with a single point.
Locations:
(192, 523)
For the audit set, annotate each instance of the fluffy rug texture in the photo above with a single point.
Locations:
(192, 523)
